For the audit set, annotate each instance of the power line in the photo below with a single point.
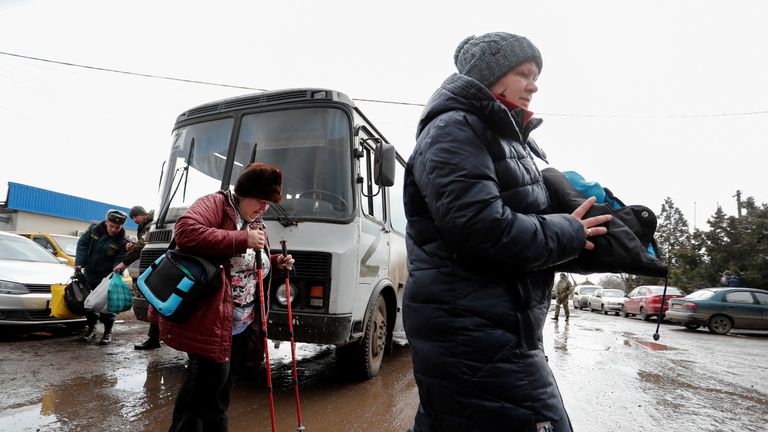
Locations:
(381, 101)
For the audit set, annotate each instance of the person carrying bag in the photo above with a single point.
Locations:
(99, 251)
(227, 228)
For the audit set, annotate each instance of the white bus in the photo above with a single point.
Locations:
(342, 212)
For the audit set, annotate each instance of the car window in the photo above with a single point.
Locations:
(22, 249)
(762, 298)
(700, 295)
(739, 297)
(613, 293)
(67, 244)
(588, 290)
(670, 291)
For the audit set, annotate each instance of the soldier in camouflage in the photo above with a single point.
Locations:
(564, 289)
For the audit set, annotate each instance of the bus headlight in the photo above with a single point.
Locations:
(280, 295)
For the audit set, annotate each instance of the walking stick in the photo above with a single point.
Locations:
(299, 425)
(260, 270)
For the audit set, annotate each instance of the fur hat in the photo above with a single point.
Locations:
(260, 180)
(136, 211)
(117, 216)
(487, 58)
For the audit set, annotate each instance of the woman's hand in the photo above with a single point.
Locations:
(284, 262)
(256, 239)
(591, 227)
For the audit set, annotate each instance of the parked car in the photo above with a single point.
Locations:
(27, 272)
(606, 300)
(645, 301)
(60, 245)
(721, 309)
(581, 295)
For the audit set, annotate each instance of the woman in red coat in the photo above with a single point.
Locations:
(226, 228)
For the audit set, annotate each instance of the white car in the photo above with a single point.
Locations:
(27, 272)
(581, 295)
(607, 300)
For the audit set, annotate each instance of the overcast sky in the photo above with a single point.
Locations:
(650, 98)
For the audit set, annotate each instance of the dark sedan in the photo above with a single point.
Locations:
(721, 309)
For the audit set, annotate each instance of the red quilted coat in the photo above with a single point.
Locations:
(209, 228)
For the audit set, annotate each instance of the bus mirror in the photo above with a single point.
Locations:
(384, 164)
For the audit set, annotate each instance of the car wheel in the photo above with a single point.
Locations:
(624, 312)
(719, 324)
(602, 309)
(690, 326)
(643, 316)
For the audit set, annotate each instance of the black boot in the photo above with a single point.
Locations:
(153, 338)
(150, 343)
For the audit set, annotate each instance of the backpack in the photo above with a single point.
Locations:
(629, 245)
(76, 292)
(176, 282)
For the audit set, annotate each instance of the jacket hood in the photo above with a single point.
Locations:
(461, 93)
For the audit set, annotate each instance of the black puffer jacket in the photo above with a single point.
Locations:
(479, 253)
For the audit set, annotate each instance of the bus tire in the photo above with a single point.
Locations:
(363, 359)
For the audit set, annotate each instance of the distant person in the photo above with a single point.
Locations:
(100, 251)
(227, 228)
(481, 245)
(144, 220)
(730, 280)
(564, 289)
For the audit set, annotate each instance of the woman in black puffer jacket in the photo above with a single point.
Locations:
(480, 248)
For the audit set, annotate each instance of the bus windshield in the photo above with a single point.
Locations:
(311, 146)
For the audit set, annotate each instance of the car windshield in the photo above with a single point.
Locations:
(700, 295)
(670, 291)
(613, 293)
(67, 244)
(22, 249)
(589, 290)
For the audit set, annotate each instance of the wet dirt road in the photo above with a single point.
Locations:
(610, 372)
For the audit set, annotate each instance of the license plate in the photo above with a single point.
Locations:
(674, 306)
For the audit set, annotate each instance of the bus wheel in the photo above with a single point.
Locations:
(363, 358)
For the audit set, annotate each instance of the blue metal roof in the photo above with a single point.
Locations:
(35, 200)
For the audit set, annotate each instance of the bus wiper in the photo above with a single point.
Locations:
(283, 218)
(186, 169)
(184, 177)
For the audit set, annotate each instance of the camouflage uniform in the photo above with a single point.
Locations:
(141, 231)
(564, 290)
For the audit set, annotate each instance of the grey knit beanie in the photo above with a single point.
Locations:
(489, 57)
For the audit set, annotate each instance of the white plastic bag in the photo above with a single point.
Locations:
(97, 299)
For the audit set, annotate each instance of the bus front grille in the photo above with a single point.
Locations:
(310, 265)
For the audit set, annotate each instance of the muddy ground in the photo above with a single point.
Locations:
(610, 371)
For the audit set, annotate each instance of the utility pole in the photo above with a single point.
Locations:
(738, 203)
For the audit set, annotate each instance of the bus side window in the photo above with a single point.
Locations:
(372, 205)
(396, 207)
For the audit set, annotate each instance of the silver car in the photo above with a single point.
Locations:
(607, 300)
(27, 272)
(581, 295)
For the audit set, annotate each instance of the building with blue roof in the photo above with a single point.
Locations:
(31, 209)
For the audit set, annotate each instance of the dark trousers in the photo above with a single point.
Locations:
(108, 319)
(203, 399)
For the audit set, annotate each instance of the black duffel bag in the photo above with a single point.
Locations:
(75, 293)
